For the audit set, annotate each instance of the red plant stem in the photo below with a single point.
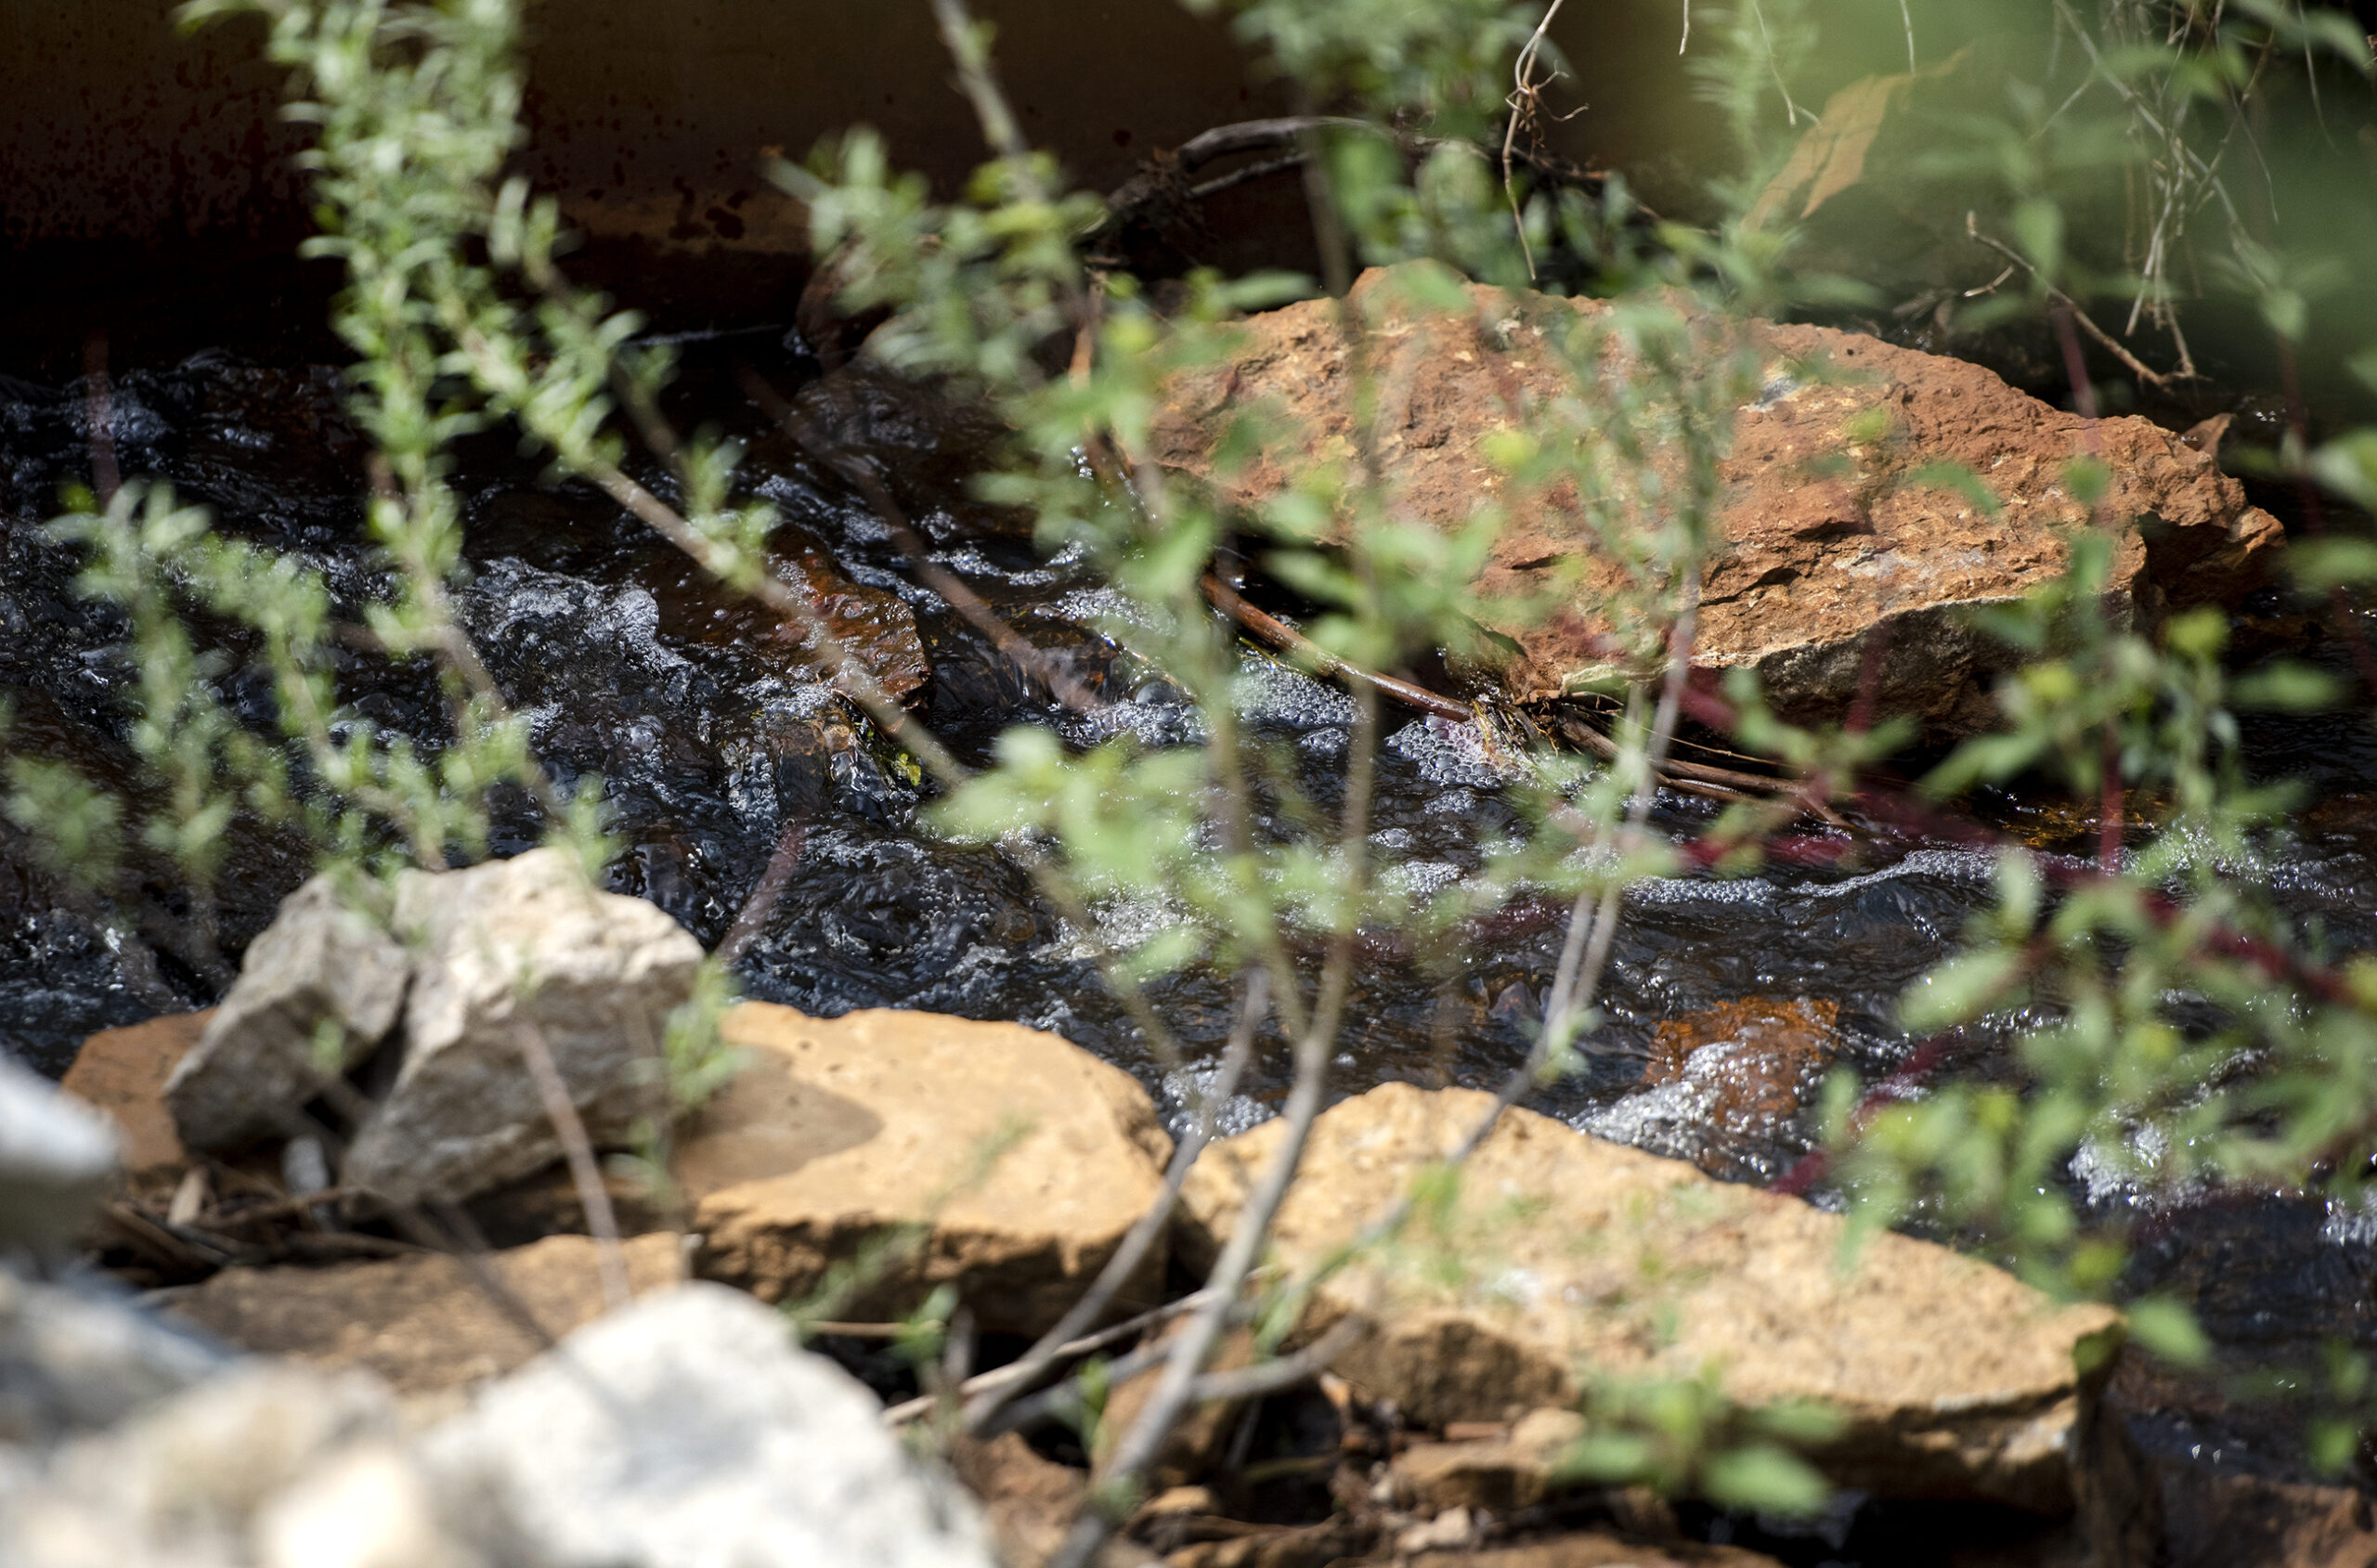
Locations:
(1919, 1066)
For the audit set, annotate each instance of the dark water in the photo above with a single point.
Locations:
(720, 745)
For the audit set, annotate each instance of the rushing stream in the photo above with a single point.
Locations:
(721, 749)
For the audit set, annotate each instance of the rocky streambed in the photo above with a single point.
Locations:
(726, 753)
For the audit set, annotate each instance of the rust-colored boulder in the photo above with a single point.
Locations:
(1829, 535)
(1565, 1253)
(1021, 1158)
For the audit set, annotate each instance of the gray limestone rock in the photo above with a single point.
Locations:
(508, 953)
(689, 1430)
(323, 973)
(56, 1157)
(74, 1358)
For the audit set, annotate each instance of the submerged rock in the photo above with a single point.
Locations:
(1955, 1378)
(316, 994)
(1830, 533)
(689, 1430)
(1023, 1158)
(511, 951)
(426, 1322)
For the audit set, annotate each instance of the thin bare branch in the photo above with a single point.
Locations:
(1286, 1371)
(1089, 1344)
(1151, 1223)
(584, 1173)
(2113, 345)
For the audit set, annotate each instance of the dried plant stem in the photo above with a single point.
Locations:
(2112, 345)
(1151, 1223)
(584, 1173)
(1286, 1371)
(1178, 1385)
(1269, 628)
(1001, 1377)
(1525, 91)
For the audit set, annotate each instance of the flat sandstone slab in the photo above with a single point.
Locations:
(1024, 1157)
(423, 1323)
(1956, 1379)
(1828, 533)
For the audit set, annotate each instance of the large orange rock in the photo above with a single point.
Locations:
(1564, 1256)
(1827, 537)
(1018, 1158)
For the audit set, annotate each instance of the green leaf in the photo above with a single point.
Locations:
(1960, 989)
(1763, 1476)
(2319, 564)
(2289, 686)
(2168, 1330)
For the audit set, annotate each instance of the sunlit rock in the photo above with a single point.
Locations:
(514, 956)
(194, 1479)
(124, 1072)
(425, 1322)
(1565, 1253)
(1831, 534)
(690, 1429)
(1023, 1158)
(316, 994)
(74, 1358)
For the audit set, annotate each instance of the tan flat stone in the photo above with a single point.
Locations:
(1516, 1469)
(122, 1072)
(1956, 1379)
(423, 1323)
(1024, 1157)
(1593, 1550)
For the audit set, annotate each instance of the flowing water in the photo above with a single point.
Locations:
(721, 749)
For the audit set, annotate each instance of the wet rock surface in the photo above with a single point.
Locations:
(1024, 1158)
(1955, 1378)
(1831, 534)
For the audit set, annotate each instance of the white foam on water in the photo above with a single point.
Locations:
(1453, 755)
(1668, 1120)
(1964, 865)
(1184, 1089)
(1272, 694)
